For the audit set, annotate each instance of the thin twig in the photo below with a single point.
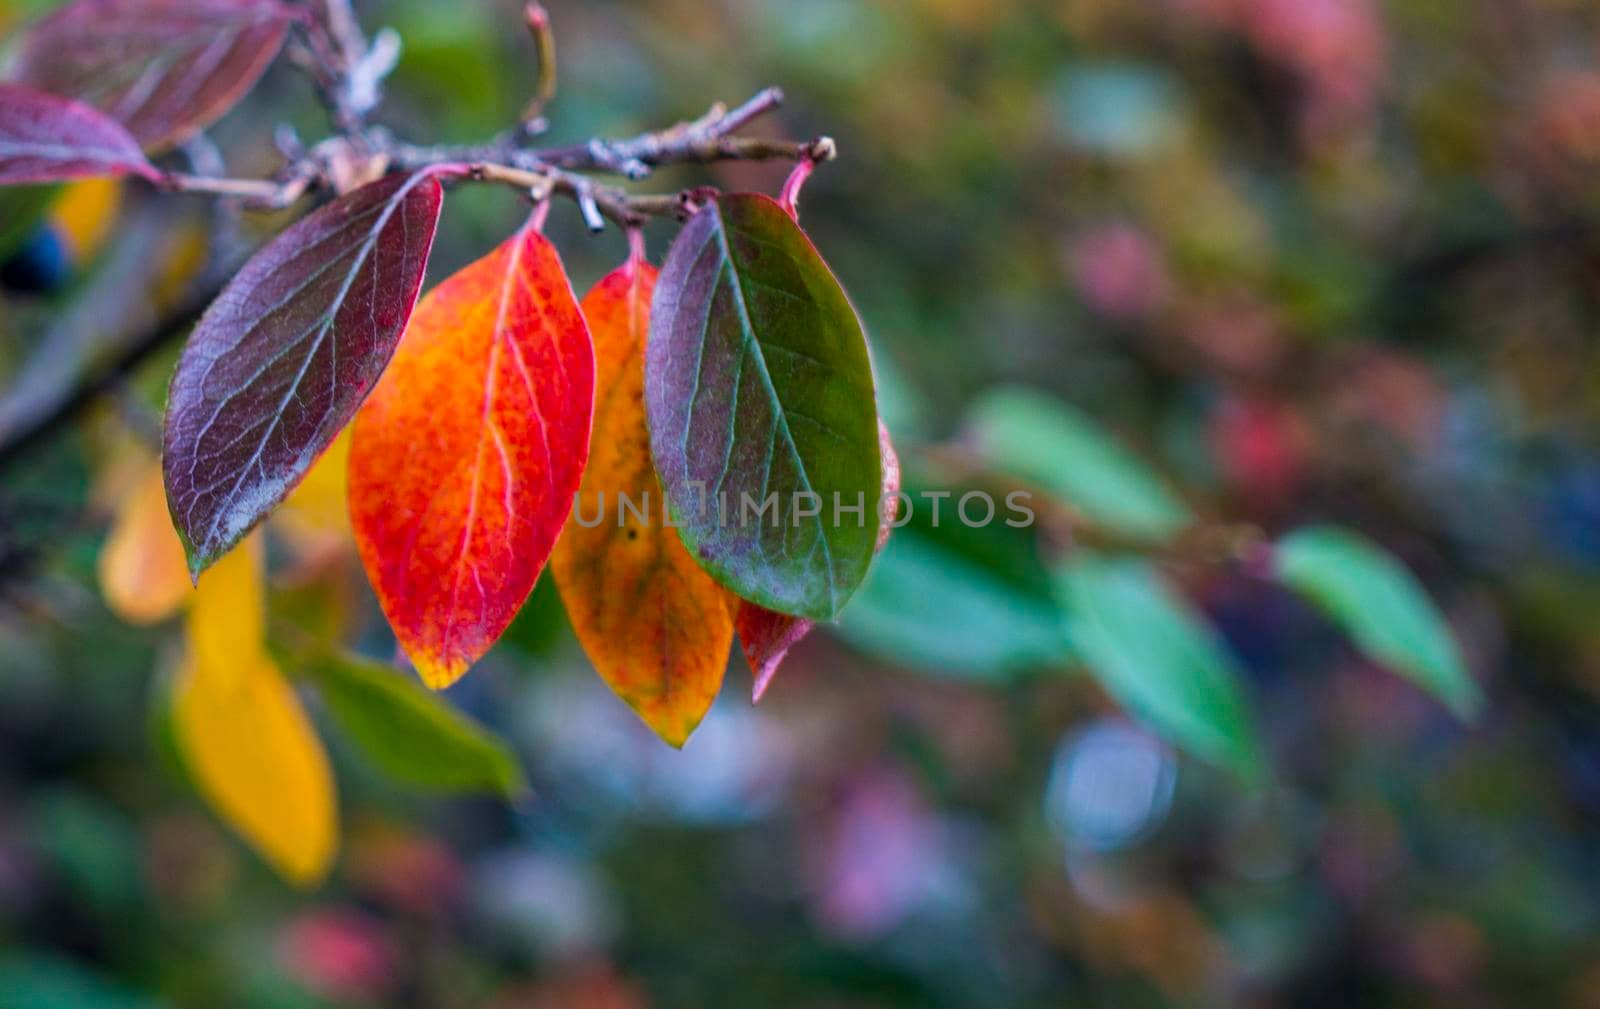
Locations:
(544, 41)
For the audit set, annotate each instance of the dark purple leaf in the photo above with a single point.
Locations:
(165, 69)
(284, 356)
(759, 390)
(44, 138)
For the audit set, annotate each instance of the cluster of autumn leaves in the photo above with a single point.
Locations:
(740, 367)
(506, 401)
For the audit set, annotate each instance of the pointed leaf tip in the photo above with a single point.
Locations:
(766, 638)
(1382, 606)
(47, 138)
(656, 626)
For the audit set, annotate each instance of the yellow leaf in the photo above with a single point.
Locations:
(143, 573)
(255, 758)
(85, 213)
(315, 520)
(655, 625)
(228, 615)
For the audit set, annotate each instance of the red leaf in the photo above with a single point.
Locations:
(467, 456)
(45, 138)
(766, 636)
(284, 356)
(163, 68)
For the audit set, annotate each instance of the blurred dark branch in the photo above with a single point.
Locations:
(132, 304)
(542, 172)
(22, 430)
(348, 72)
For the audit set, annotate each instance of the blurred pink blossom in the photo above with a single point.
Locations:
(339, 954)
(878, 858)
(1119, 271)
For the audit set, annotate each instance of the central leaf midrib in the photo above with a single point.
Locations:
(753, 347)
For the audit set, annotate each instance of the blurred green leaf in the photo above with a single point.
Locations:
(409, 733)
(1381, 605)
(1153, 654)
(21, 207)
(1045, 441)
(42, 981)
(969, 601)
(94, 847)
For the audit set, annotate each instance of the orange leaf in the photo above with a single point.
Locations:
(466, 456)
(656, 626)
(143, 573)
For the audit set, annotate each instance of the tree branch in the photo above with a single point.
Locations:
(347, 71)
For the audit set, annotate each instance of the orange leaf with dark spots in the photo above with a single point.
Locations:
(656, 626)
(466, 457)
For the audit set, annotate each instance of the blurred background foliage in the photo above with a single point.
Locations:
(1311, 261)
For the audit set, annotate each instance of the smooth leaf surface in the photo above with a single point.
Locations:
(46, 138)
(254, 756)
(163, 68)
(466, 458)
(1381, 605)
(757, 383)
(241, 730)
(410, 734)
(285, 355)
(1153, 654)
(143, 575)
(1044, 441)
(655, 625)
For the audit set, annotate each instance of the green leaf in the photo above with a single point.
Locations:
(1381, 605)
(21, 208)
(38, 980)
(1042, 440)
(1153, 654)
(973, 602)
(410, 733)
(757, 383)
